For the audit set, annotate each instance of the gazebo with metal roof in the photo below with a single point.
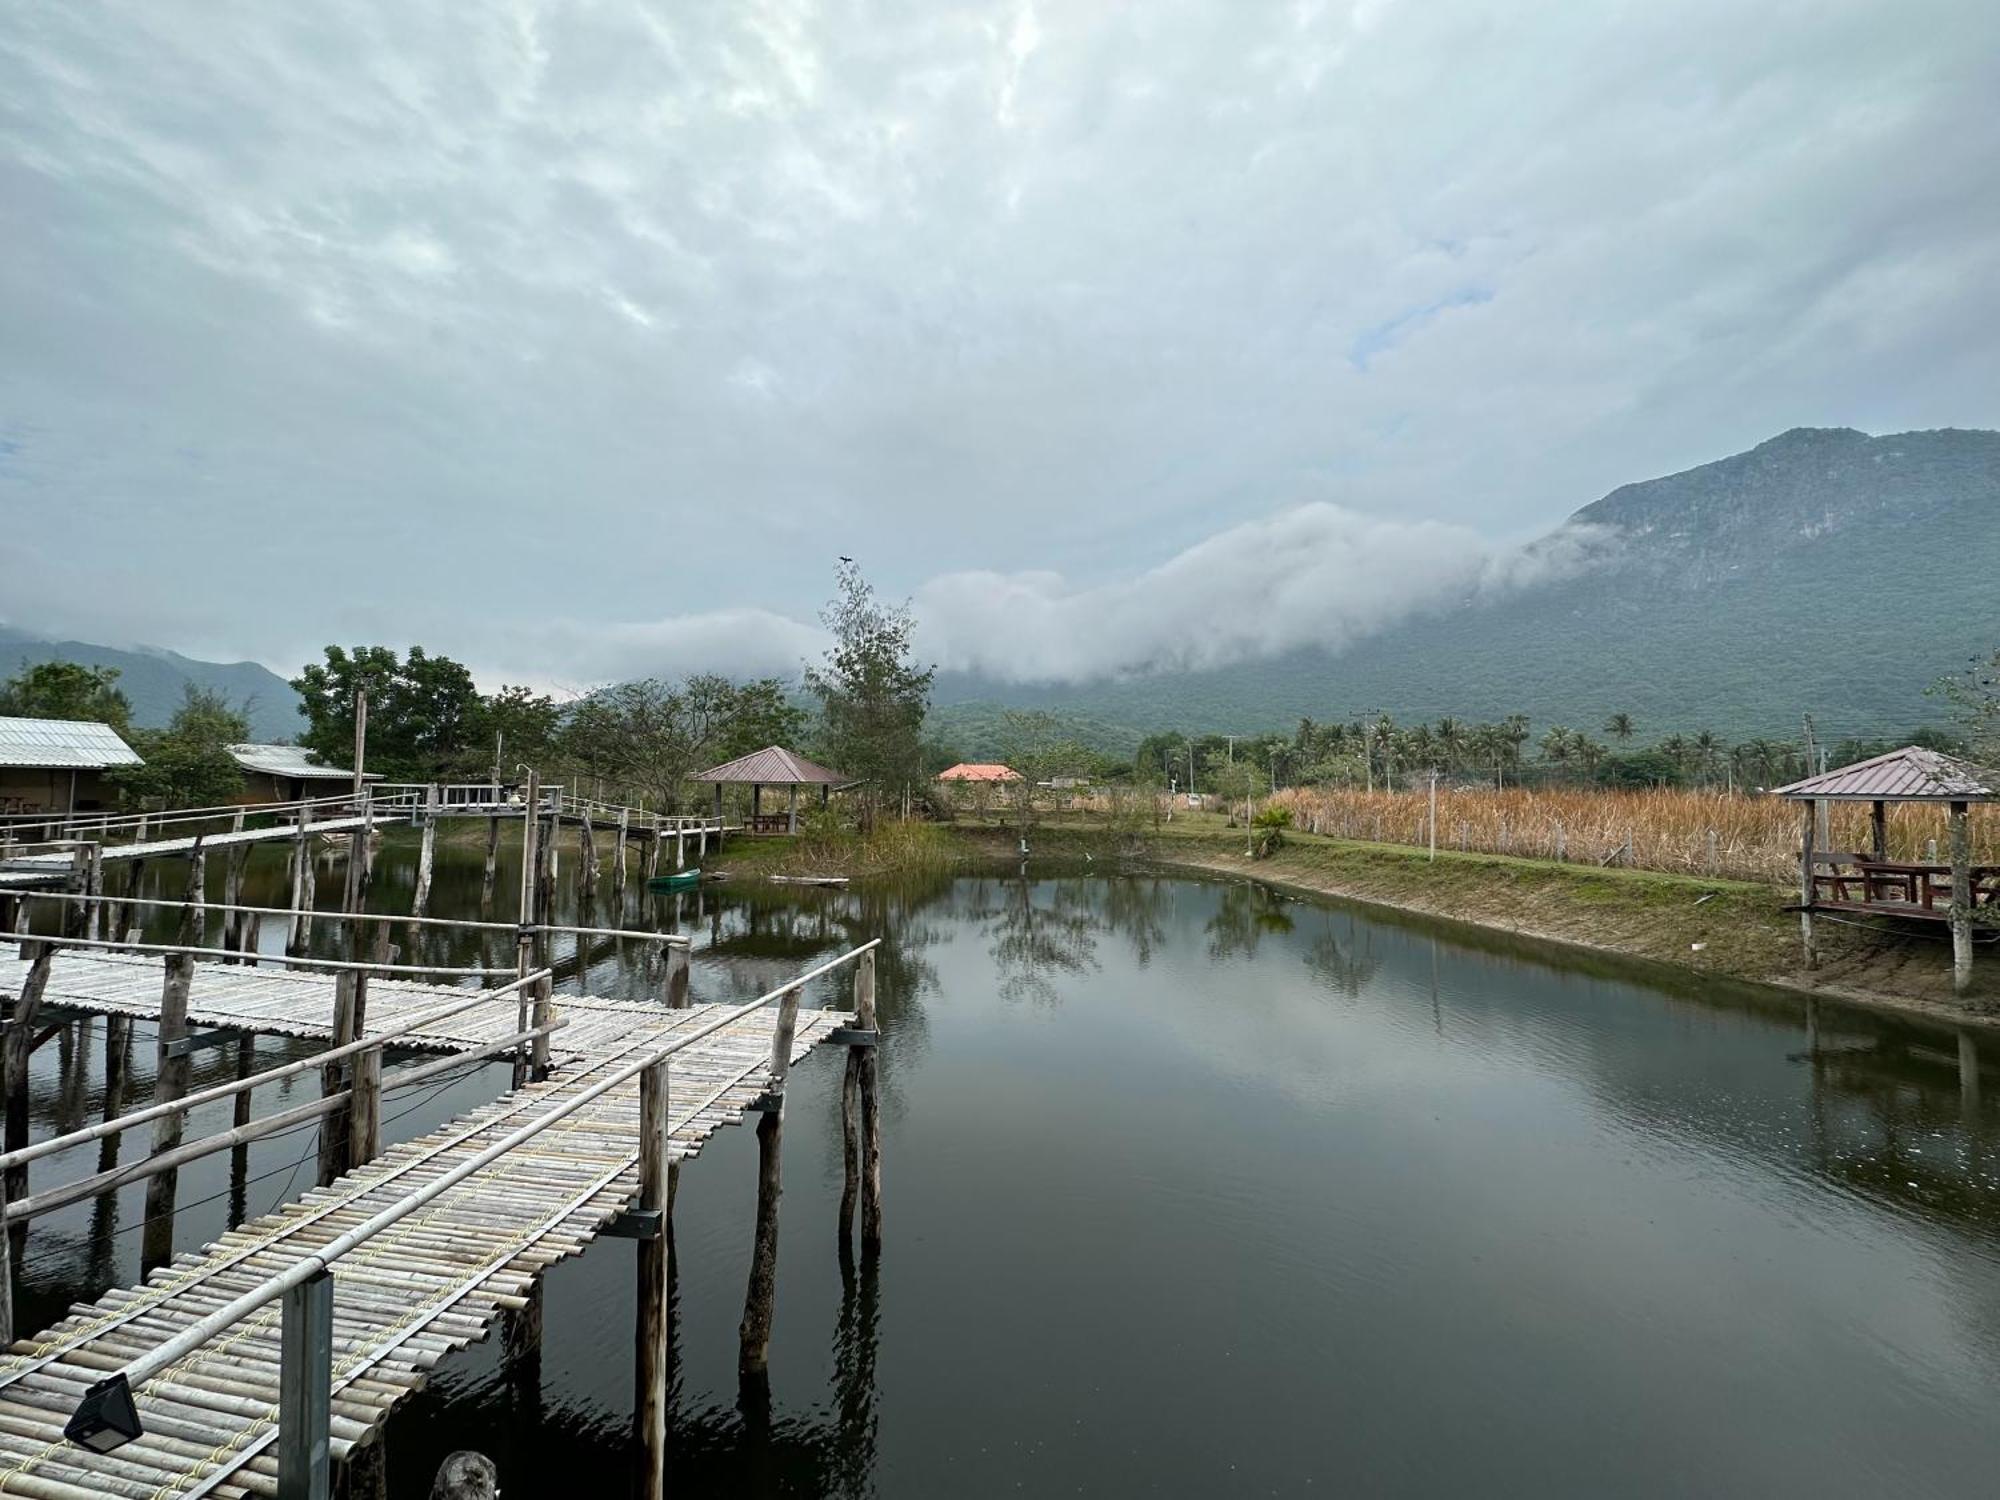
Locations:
(1872, 883)
(772, 766)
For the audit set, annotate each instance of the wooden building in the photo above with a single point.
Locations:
(1958, 893)
(772, 766)
(288, 773)
(58, 765)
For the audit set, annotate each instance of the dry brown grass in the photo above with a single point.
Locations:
(1686, 832)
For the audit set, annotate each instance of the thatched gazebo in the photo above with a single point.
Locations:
(772, 766)
(1872, 884)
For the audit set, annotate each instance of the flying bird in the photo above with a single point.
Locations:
(845, 558)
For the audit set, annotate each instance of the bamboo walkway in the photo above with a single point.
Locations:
(283, 1002)
(22, 869)
(429, 1285)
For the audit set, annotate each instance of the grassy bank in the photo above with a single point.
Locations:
(1730, 929)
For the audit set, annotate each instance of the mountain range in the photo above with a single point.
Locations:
(154, 680)
(1824, 571)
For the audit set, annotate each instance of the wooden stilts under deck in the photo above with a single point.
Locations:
(754, 1333)
(1961, 899)
(650, 1374)
(169, 1083)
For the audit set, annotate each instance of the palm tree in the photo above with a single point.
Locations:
(1450, 738)
(1556, 745)
(1619, 727)
(1707, 750)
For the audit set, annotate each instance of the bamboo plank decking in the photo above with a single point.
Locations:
(420, 1290)
(293, 1003)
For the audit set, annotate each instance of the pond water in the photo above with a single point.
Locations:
(1196, 1189)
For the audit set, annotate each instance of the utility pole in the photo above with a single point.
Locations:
(1816, 766)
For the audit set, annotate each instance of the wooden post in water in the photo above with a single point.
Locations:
(234, 923)
(586, 855)
(871, 1106)
(1961, 900)
(93, 886)
(301, 875)
(544, 1014)
(364, 1126)
(618, 858)
(680, 845)
(677, 976)
(492, 864)
(754, 1333)
(19, 1050)
(1806, 883)
(1878, 828)
(169, 1083)
(426, 854)
(650, 1375)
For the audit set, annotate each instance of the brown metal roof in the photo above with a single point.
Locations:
(772, 766)
(1911, 774)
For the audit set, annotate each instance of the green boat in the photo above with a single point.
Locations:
(680, 880)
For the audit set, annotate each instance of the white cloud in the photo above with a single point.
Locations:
(575, 310)
(1312, 575)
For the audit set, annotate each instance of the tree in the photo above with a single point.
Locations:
(872, 694)
(1619, 727)
(188, 764)
(1974, 697)
(513, 727)
(646, 738)
(422, 712)
(67, 690)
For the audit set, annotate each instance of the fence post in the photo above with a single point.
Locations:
(364, 1124)
(544, 1014)
(305, 1391)
(170, 1082)
(650, 1405)
(754, 1334)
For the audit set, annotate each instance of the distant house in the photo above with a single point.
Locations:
(973, 773)
(58, 765)
(288, 773)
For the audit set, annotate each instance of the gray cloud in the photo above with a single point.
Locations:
(501, 327)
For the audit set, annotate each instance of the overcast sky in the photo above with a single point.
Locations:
(577, 340)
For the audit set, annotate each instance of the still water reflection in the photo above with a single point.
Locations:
(1194, 1189)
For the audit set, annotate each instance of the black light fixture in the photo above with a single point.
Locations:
(106, 1418)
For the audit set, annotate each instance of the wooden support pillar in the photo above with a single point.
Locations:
(93, 887)
(364, 1127)
(194, 922)
(792, 811)
(618, 858)
(650, 1375)
(521, 1349)
(235, 923)
(863, 1063)
(170, 1083)
(653, 851)
(677, 976)
(544, 1015)
(333, 1130)
(301, 874)
(420, 903)
(132, 915)
(1878, 828)
(305, 1391)
(1806, 882)
(19, 1049)
(492, 864)
(754, 1333)
(1961, 900)
(239, 1156)
(586, 857)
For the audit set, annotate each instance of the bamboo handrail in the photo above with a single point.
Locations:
(236, 1086)
(321, 915)
(253, 956)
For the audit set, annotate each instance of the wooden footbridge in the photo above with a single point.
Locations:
(255, 1364)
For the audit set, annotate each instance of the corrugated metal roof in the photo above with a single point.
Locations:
(773, 766)
(967, 770)
(63, 744)
(288, 760)
(1912, 774)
